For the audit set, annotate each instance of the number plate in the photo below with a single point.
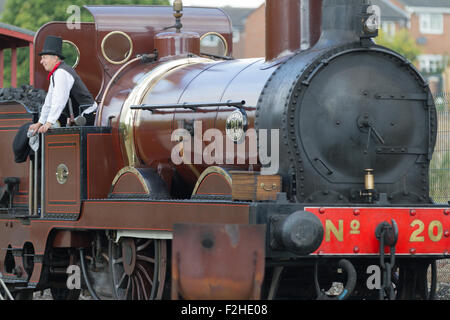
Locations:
(352, 230)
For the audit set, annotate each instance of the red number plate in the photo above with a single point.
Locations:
(352, 230)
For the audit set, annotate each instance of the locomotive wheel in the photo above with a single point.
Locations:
(138, 268)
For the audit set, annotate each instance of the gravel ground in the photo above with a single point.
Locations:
(443, 282)
(46, 295)
(443, 291)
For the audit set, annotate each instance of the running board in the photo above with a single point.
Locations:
(145, 234)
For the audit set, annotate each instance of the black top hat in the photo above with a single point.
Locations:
(53, 46)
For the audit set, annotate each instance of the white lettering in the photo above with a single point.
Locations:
(74, 278)
(74, 21)
(374, 280)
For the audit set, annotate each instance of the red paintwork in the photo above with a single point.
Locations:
(369, 218)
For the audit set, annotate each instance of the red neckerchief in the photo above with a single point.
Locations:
(54, 69)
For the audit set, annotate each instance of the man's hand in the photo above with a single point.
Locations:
(35, 127)
(44, 128)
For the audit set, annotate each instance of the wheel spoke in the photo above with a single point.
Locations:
(138, 292)
(132, 288)
(118, 285)
(141, 281)
(144, 258)
(137, 275)
(147, 276)
(144, 245)
(129, 286)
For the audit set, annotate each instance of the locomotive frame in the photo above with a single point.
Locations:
(121, 210)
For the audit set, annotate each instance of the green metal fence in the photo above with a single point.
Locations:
(440, 164)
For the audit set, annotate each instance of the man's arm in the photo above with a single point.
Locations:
(44, 111)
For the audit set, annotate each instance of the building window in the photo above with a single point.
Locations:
(388, 28)
(430, 63)
(431, 23)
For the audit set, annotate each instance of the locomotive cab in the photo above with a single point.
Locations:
(78, 176)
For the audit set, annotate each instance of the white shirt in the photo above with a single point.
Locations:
(57, 96)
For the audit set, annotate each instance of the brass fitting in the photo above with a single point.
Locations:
(178, 5)
(369, 182)
(178, 13)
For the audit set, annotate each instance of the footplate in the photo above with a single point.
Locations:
(421, 231)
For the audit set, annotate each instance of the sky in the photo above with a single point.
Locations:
(223, 3)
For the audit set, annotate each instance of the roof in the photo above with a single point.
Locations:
(426, 3)
(389, 11)
(10, 27)
(10, 34)
(238, 16)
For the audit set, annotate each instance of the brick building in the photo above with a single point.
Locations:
(238, 18)
(429, 25)
(393, 18)
(253, 35)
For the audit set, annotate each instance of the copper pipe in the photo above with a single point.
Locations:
(282, 27)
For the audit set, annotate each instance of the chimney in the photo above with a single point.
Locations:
(291, 25)
(343, 21)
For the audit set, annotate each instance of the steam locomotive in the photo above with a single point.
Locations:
(326, 142)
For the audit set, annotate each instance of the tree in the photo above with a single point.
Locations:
(33, 14)
(402, 43)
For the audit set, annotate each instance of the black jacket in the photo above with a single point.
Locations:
(79, 94)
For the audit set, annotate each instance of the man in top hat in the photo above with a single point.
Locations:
(66, 89)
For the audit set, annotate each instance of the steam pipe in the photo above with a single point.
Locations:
(305, 29)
